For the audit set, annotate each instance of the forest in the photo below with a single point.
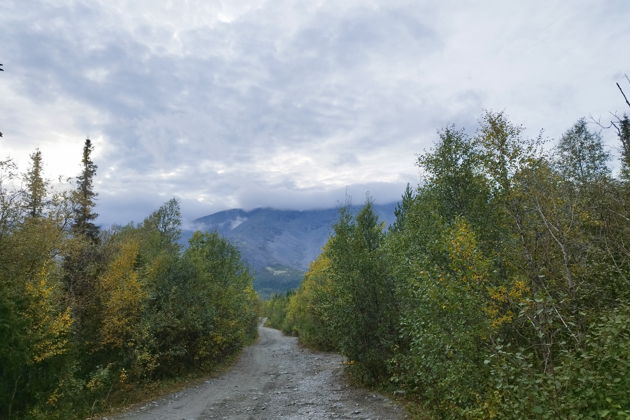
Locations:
(88, 314)
(502, 289)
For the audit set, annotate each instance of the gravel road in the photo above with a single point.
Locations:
(274, 379)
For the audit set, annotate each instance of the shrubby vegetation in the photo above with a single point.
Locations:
(86, 313)
(501, 291)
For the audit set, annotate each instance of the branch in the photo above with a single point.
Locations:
(608, 126)
(565, 255)
(624, 95)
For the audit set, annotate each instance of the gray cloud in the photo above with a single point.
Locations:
(285, 103)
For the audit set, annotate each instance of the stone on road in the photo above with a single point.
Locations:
(274, 379)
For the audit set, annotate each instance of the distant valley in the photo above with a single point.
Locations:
(278, 245)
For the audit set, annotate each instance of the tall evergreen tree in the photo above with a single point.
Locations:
(402, 209)
(35, 187)
(84, 197)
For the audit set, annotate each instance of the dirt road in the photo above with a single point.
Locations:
(274, 379)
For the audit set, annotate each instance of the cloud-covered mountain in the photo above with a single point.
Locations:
(279, 245)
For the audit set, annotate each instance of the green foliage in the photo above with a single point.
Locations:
(35, 328)
(346, 299)
(446, 326)
(220, 278)
(10, 206)
(275, 310)
(86, 313)
(364, 313)
(402, 210)
(591, 382)
(581, 155)
(501, 291)
(35, 187)
(84, 196)
(310, 311)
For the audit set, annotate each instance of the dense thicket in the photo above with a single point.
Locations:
(501, 291)
(86, 313)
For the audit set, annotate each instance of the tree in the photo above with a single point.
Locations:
(35, 187)
(10, 211)
(624, 137)
(35, 322)
(84, 197)
(83, 256)
(402, 209)
(308, 313)
(122, 297)
(581, 156)
(366, 315)
(218, 300)
(453, 182)
(622, 125)
(166, 224)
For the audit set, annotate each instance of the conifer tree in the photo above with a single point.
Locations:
(84, 197)
(35, 187)
(81, 262)
(402, 209)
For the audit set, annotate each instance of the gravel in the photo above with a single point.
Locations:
(274, 379)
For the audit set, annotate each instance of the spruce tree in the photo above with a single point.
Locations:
(402, 209)
(84, 197)
(35, 187)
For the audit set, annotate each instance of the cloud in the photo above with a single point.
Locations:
(286, 103)
(254, 196)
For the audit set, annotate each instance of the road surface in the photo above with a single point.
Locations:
(273, 379)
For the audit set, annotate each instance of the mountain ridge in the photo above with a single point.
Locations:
(278, 245)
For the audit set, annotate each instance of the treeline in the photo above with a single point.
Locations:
(87, 313)
(502, 290)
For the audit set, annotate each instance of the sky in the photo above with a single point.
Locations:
(290, 104)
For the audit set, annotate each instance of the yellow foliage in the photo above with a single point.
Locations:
(122, 376)
(466, 260)
(472, 268)
(123, 296)
(50, 327)
(305, 308)
(501, 298)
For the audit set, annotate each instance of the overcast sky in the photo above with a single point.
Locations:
(286, 103)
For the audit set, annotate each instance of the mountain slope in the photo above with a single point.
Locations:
(279, 245)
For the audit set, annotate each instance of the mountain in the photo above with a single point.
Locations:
(279, 245)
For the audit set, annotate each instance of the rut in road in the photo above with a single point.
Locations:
(274, 379)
